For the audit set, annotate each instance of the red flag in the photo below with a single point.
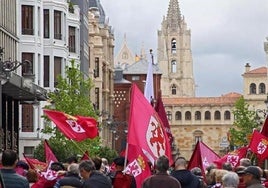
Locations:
(259, 144)
(232, 157)
(85, 156)
(202, 157)
(35, 164)
(49, 153)
(146, 129)
(264, 130)
(138, 165)
(160, 109)
(74, 127)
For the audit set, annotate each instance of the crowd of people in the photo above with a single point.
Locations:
(97, 173)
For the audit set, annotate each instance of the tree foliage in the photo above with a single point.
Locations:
(244, 123)
(71, 96)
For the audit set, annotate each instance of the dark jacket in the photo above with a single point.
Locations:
(161, 180)
(12, 179)
(186, 178)
(70, 179)
(97, 180)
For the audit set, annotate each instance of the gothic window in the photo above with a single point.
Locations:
(227, 115)
(207, 115)
(188, 115)
(173, 89)
(178, 115)
(197, 115)
(27, 20)
(97, 98)
(262, 88)
(173, 46)
(97, 67)
(125, 55)
(252, 88)
(173, 66)
(46, 23)
(57, 25)
(217, 115)
(169, 115)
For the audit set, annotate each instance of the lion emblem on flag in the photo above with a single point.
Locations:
(155, 137)
(262, 146)
(75, 126)
(136, 166)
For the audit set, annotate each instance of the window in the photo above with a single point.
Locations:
(27, 118)
(27, 67)
(97, 67)
(71, 39)
(135, 78)
(173, 46)
(125, 55)
(46, 23)
(197, 115)
(57, 69)
(173, 66)
(252, 88)
(173, 89)
(97, 98)
(46, 71)
(217, 115)
(188, 115)
(27, 20)
(57, 25)
(262, 88)
(227, 115)
(207, 115)
(169, 115)
(178, 115)
(28, 151)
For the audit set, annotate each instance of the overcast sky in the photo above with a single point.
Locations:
(226, 34)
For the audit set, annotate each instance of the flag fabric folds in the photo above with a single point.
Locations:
(232, 157)
(259, 145)
(149, 84)
(35, 164)
(138, 165)
(202, 157)
(85, 156)
(264, 130)
(50, 157)
(145, 127)
(160, 109)
(76, 128)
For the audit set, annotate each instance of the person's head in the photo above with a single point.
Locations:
(73, 168)
(230, 179)
(180, 163)
(119, 163)
(245, 162)
(32, 176)
(162, 164)
(72, 159)
(85, 168)
(9, 158)
(250, 174)
(57, 166)
(227, 166)
(104, 161)
(196, 171)
(97, 161)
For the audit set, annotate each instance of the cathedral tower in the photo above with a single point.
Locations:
(174, 54)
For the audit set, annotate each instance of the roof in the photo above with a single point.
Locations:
(141, 67)
(261, 70)
(227, 99)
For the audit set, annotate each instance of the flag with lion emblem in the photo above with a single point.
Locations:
(146, 129)
(259, 145)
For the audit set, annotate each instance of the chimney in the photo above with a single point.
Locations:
(247, 68)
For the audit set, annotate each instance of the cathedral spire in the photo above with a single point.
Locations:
(174, 14)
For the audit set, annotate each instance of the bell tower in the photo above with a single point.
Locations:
(174, 54)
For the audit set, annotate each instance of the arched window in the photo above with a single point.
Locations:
(173, 46)
(188, 115)
(169, 115)
(197, 115)
(173, 66)
(227, 115)
(178, 115)
(262, 88)
(173, 89)
(252, 88)
(207, 115)
(217, 115)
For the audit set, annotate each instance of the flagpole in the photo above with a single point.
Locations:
(79, 148)
(126, 156)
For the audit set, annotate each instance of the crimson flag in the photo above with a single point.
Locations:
(77, 128)
(138, 165)
(49, 153)
(232, 157)
(259, 145)
(85, 156)
(202, 157)
(35, 164)
(146, 129)
(264, 130)
(160, 109)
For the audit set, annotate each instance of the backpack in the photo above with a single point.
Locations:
(120, 180)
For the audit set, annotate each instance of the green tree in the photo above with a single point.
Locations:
(72, 97)
(244, 123)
